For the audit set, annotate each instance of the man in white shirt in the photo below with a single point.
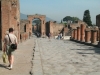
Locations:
(8, 40)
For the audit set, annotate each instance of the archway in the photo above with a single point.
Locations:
(36, 24)
(42, 18)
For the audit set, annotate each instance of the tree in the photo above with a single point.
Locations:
(69, 19)
(74, 19)
(87, 18)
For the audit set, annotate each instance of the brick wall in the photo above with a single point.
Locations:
(54, 28)
(24, 29)
(9, 17)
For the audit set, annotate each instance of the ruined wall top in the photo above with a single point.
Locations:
(78, 24)
(54, 22)
(89, 28)
(13, 2)
(36, 16)
(9, 0)
(24, 21)
(98, 16)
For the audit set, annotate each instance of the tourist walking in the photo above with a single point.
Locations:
(59, 36)
(49, 36)
(8, 40)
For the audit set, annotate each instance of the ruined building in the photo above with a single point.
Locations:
(98, 20)
(53, 28)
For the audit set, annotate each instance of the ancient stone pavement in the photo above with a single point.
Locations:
(54, 57)
(58, 57)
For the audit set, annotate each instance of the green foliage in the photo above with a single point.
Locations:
(37, 21)
(69, 18)
(87, 18)
(74, 19)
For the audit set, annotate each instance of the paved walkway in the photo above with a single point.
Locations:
(23, 57)
(54, 57)
(58, 57)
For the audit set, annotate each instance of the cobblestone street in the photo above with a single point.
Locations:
(41, 56)
(58, 57)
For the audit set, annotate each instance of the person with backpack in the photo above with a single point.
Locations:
(8, 40)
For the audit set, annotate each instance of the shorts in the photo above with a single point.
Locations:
(9, 50)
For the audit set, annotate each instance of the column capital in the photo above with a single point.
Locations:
(94, 30)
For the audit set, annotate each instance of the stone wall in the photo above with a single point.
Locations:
(10, 17)
(58, 28)
(75, 25)
(24, 30)
(54, 28)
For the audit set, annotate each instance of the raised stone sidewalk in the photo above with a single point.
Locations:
(23, 60)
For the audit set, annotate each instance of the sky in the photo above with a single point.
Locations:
(58, 9)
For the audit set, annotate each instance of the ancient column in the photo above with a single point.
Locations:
(97, 35)
(87, 36)
(75, 34)
(78, 33)
(93, 36)
(51, 28)
(82, 32)
(72, 34)
(99, 38)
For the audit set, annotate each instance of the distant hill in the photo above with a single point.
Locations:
(48, 19)
(23, 16)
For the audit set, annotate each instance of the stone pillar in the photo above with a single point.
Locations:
(72, 34)
(87, 36)
(97, 35)
(99, 38)
(82, 33)
(75, 34)
(78, 33)
(51, 29)
(93, 36)
(43, 34)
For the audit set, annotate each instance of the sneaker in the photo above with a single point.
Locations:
(8, 65)
(10, 68)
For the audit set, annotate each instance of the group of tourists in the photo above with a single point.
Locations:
(58, 37)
